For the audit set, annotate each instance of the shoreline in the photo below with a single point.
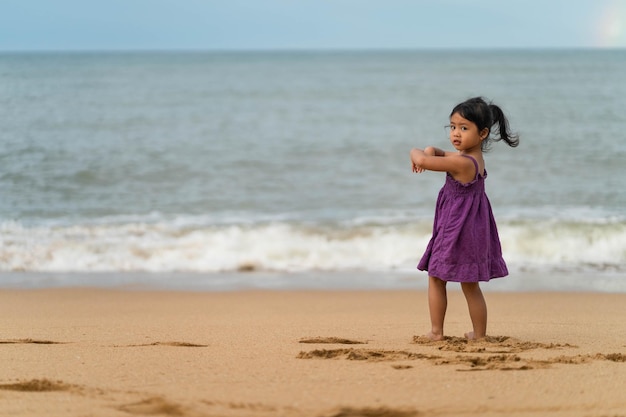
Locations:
(563, 281)
(77, 351)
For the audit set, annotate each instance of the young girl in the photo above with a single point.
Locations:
(465, 246)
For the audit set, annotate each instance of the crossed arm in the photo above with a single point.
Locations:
(435, 159)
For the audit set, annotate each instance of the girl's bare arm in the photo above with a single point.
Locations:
(432, 151)
(434, 159)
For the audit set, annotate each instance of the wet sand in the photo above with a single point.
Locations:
(77, 352)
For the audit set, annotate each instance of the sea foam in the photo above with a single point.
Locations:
(535, 245)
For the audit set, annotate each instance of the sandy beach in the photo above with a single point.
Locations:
(96, 352)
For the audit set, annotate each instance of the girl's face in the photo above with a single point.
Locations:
(464, 135)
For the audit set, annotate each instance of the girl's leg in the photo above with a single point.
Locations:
(437, 303)
(477, 309)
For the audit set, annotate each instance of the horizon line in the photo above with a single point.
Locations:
(316, 50)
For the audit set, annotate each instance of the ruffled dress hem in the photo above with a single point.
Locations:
(459, 273)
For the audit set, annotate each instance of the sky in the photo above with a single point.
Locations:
(44, 25)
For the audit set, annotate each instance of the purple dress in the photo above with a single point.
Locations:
(465, 246)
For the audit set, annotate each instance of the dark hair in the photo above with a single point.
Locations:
(485, 115)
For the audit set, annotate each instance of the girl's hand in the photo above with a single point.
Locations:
(415, 167)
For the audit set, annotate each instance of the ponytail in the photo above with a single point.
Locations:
(504, 131)
(485, 116)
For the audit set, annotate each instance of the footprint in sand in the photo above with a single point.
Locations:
(175, 344)
(489, 344)
(250, 407)
(153, 406)
(371, 355)
(38, 385)
(373, 412)
(331, 340)
(29, 341)
(494, 353)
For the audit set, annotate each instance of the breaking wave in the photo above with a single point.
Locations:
(165, 246)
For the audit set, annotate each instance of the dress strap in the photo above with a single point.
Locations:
(475, 164)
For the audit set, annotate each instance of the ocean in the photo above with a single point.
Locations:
(222, 170)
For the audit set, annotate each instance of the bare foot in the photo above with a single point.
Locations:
(434, 337)
(472, 336)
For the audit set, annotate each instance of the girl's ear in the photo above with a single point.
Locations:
(484, 133)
